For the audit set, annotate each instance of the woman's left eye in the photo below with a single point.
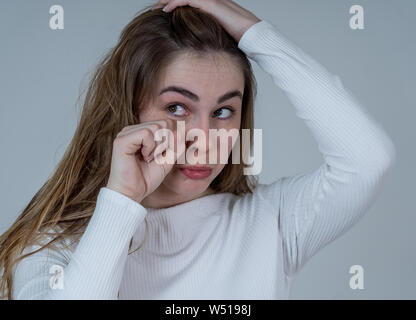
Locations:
(224, 113)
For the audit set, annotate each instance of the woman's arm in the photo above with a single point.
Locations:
(94, 269)
(317, 207)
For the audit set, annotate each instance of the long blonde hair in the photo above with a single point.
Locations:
(121, 84)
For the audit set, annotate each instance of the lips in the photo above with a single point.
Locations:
(196, 172)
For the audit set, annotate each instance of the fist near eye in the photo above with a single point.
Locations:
(134, 173)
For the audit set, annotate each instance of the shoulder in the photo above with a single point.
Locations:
(268, 192)
(264, 198)
(58, 252)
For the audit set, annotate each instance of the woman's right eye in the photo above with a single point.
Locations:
(177, 110)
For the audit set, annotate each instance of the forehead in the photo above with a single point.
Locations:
(212, 73)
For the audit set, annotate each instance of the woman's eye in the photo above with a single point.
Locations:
(223, 113)
(177, 110)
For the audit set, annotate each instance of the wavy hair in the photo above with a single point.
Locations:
(122, 82)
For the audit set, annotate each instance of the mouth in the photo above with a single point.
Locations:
(196, 172)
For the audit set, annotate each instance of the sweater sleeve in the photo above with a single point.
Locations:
(316, 207)
(94, 269)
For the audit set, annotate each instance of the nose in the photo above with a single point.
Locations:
(199, 142)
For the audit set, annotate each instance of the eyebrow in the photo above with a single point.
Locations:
(194, 97)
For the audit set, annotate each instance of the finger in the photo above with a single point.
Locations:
(172, 4)
(162, 137)
(159, 161)
(160, 4)
(135, 141)
(153, 125)
(148, 145)
(173, 145)
(176, 144)
(166, 138)
(148, 140)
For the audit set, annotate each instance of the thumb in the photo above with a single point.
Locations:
(172, 148)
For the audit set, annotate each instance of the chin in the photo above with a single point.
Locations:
(180, 184)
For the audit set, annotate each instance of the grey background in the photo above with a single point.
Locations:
(42, 73)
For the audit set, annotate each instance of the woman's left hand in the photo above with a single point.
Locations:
(234, 19)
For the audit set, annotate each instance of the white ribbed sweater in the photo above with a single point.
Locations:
(222, 246)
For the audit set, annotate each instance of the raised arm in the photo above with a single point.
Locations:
(317, 207)
(94, 269)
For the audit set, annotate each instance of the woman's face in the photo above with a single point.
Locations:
(196, 90)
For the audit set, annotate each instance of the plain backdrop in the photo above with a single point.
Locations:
(43, 72)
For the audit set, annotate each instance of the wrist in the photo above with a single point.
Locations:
(135, 197)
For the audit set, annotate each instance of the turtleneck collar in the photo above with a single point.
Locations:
(196, 207)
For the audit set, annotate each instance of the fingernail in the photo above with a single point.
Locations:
(165, 8)
(149, 159)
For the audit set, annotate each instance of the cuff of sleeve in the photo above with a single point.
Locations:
(115, 209)
(120, 199)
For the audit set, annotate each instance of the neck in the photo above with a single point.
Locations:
(165, 198)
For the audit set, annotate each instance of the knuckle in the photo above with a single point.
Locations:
(118, 138)
(164, 122)
(147, 133)
(125, 128)
(117, 141)
(153, 127)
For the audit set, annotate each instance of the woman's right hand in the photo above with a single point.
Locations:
(130, 173)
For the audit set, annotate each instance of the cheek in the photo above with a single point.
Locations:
(225, 145)
(218, 169)
(229, 139)
(150, 114)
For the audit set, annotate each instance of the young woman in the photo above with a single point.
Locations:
(197, 233)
